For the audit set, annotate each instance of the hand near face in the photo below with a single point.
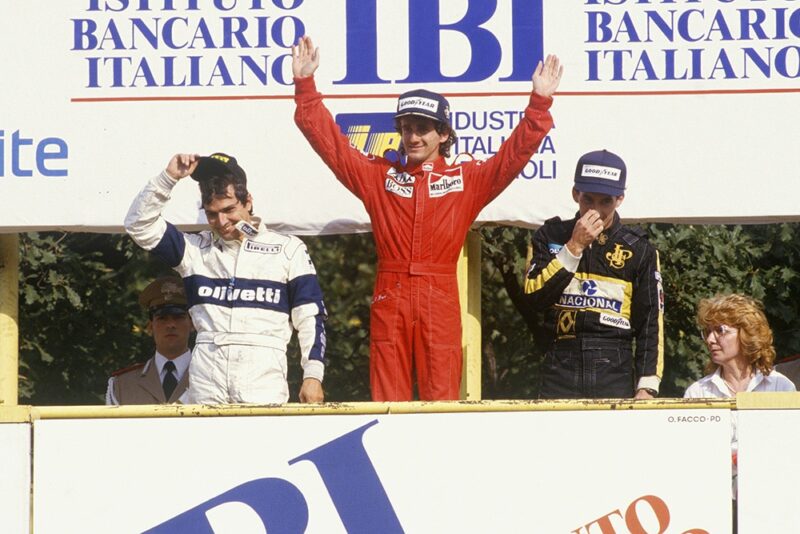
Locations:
(586, 230)
(305, 58)
(311, 391)
(547, 76)
(182, 165)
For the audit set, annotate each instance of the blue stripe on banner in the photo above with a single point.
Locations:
(171, 247)
(242, 293)
(317, 351)
(305, 290)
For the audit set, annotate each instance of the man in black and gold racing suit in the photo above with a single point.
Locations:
(599, 285)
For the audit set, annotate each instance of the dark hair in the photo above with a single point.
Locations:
(217, 186)
(441, 128)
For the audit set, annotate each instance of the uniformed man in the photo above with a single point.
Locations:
(599, 284)
(163, 378)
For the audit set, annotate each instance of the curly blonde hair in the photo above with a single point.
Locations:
(747, 315)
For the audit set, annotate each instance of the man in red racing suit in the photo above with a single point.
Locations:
(421, 210)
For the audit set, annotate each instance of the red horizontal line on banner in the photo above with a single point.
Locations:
(395, 95)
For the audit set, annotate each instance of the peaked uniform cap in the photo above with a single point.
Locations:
(164, 296)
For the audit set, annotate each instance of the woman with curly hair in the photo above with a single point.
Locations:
(739, 341)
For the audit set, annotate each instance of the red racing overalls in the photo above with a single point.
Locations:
(420, 217)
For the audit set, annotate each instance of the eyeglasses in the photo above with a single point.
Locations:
(719, 331)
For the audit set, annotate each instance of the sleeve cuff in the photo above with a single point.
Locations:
(568, 260)
(165, 182)
(305, 85)
(649, 382)
(314, 369)
(539, 102)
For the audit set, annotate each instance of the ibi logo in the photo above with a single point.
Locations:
(349, 477)
(425, 31)
(22, 156)
(371, 133)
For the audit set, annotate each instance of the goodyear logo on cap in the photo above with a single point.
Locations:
(418, 102)
(601, 171)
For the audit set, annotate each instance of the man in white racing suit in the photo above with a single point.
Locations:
(247, 287)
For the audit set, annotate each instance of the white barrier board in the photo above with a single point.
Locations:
(15, 478)
(475, 472)
(769, 441)
(699, 98)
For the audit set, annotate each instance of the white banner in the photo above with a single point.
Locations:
(768, 470)
(579, 472)
(699, 98)
(15, 480)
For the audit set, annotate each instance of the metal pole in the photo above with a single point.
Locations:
(9, 315)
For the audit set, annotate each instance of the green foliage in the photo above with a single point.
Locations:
(346, 269)
(79, 317)
(696, 262)
(701, 261)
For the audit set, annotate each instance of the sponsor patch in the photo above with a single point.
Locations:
(554, 248)
(262, 248)
(405, 191)
(402, 178)
(419, 103)
(584, 302)
(223, 294)
(660, 289)
(616, 322)
(246, 228)
(566, 323)
(602, 172)
(618, 258)
(596, 294)
(451, 181)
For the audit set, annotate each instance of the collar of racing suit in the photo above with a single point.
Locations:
(233, 244)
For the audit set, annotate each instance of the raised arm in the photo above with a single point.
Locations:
(348, 164)
(144, 222)
(496, 173)
(547, 76)
(305, 58)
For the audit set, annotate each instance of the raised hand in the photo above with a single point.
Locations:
(586, 230)
(305, 58)
(182, 165)
(547, 76)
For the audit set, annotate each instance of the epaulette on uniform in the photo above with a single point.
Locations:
(128, 369)
(634, 234)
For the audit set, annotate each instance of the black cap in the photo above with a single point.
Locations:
(424, 104)
(164, 296)
(217, 164)
(601, 172)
